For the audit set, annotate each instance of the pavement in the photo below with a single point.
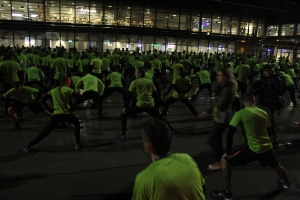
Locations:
(105, 168)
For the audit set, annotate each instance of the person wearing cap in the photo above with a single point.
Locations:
(62, 113)
(205, 83)
(270, 91)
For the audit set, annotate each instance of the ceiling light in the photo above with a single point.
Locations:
(30, 9)
(17, 15)
(33, 15)
(93, 11)
(109, 6)
(174, 15)
(5, 1)
(128, 7)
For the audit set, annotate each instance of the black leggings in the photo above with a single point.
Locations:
(55, 121)
(161, 78)
(133, 110)
(200, 88)
(185, 101)
(88, 95)
(111, 90)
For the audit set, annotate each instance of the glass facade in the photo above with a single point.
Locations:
(272, 30)
(287, 29)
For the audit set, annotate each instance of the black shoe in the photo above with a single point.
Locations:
(283, 185)
(26, 148)
(78, 146)
(218, 195)
(16, 128)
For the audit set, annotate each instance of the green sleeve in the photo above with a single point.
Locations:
(131, 87)
(78, 85)
(101, 87)
(139, 192)
(236, 120)
(9, 93)
(33, 90)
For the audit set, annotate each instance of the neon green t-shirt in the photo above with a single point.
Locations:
(10, 70)
(90, 83)
(138, 64)
(79, 66)
(242, 72)
(182, 84)
(60, 66)
(60, 96)
(291, 72)
(75, 79)
(288, 80)
(34, 74)
(26, 96)
(116, 59)
(115, 79)
(156, 64)
(203, 76)
(254, 122)
(105, 63)
(148, 76)
(97, 65)
(174, 177)
(143, 88)
(175, 68)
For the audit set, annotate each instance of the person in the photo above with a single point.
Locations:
(62, 113)
(289, 85)
(181, 84)
(23, 96)
(97, 63)
(34, 77)
(60, 67)
(114, 83)
(242, 71)
(169, 176)
(93, 88)
(256, 126)
(270, 91)
(222, 113)
(205, 82)
(144, 90)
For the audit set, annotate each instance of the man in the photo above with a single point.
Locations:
(170, 176)
(270, 91)
(289, 85)
(242, 72)
(93, 88)
(205, 82)
(256, 125)
(97, 63)
(144, 90)
(24, 97)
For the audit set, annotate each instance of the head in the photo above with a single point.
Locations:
(267, 69)
(157, 137)
(224, 76)
(249, 100)
(181, 71)
(65, 80)
(18, 86)
(139, 73)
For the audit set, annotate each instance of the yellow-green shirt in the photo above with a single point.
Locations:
(143, 88)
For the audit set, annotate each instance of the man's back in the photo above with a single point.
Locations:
(174, 177)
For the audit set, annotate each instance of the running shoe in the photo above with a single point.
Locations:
(16, 128)
(283, 185)
(77, 145)
(26, 148)
(218, 195)
(215, 166)
(123, 136)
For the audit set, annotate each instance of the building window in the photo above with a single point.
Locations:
(162, 18)
(206, 22)
(67, 13)
(185, 21)
(216, 24)
(260, 29)
(226, 23)
(124, 12)
(96, 13)
(149, 17)
(52, 11)
(287, 29)
(272, 30)
(244, 27)
(234, 25)
(20, 10)
(110, 16)
(195, 22)
(137, 15)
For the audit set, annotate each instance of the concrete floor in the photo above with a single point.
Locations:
(105, 168)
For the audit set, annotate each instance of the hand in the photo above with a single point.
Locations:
(124, 111)
(224, 155)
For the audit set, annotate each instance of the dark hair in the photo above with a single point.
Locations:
(158, 135)
(141, 71)
(18, 83)
(248, 97)
(229, 75)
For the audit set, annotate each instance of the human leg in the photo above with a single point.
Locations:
(188, 104)
(169, 102)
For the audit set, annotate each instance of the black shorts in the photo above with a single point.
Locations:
(246, 156)
(35, 107)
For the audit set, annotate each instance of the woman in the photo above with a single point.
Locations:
(181, 84)
(222, 112)
(60, 96)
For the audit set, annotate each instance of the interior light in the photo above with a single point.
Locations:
(17, 15)
(109, 6)
(93, 11)
(5, 1)
(174, 15)
(128, 7)
(33, 15)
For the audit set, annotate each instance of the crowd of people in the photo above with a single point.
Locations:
(32, 76)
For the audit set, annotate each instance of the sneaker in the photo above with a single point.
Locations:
(77, 145)
(122, 136)
(217, 194)
(283, 185)
(26, 148)
(215, 166)
(16, 128)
